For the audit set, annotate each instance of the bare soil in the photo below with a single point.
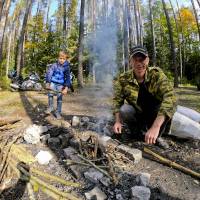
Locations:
(165, 183)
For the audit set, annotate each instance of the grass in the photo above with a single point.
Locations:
(188, 97)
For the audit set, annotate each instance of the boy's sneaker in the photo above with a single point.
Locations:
(48, 111)
(58, 115)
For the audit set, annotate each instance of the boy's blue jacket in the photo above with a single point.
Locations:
(58, 73)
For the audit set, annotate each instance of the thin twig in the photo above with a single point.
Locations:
(96, 143)
(96, 167)
(111, 169)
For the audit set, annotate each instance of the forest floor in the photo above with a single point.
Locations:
(165, 182)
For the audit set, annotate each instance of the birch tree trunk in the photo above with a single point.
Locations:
(80, 49)
(1, 7)
(152, 33)
(64, 18)
(125, 32)
(140, 23)
(136, 22)
(3, 24)
(130, 26)
(182, 42)
(196, 17)
(47, 14)
(198, 3)
(179, 42)
(21, 37)
(172, 44)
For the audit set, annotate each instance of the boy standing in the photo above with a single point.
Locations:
(58, 80)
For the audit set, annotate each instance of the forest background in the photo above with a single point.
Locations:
(98, 36)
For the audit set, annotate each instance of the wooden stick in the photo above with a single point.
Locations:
(30, 192)
(54, 178)
(171, 163)
(111, 170)
(45, 187)
(96, 143)
(72, 162)
(96, 167)
(4, 162)
(50, 177)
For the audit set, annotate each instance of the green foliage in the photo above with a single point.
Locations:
(189, 42)
(192, 68)
(4, 83)
(44, 43)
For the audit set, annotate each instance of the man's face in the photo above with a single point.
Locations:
(139, 64)
(61, 59)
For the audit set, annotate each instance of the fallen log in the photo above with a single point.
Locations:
(171, 163)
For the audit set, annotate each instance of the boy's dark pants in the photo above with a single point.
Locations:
(139, 123)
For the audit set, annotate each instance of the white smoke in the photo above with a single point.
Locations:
(102, 45)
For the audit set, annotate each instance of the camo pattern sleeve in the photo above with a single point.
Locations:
(118, 97)
(165, 92)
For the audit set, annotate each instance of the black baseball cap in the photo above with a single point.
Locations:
(138, 50)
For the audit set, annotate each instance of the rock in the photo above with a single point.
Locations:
(74, 143)
(93, 175)
(64, 139)
(131, 153)
(95, 193)
(71, 153)
(106, 131)
(75, 121)
(43, 157)
(92, 126)
(143, 179)
(107, 142)
(119, 197)
(117, 191)
(196, 182)
(105, 181)
(68, 152)
(32, 133)
(54, 142)
(85, 119)
(140, 193)
(44, 138)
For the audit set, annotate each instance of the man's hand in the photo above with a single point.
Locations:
(151, 135)
(117, 127)
(64, 91)
(47, 86)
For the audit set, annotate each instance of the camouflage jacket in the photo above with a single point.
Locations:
(126, 88)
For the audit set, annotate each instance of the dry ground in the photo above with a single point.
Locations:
(166, 183)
